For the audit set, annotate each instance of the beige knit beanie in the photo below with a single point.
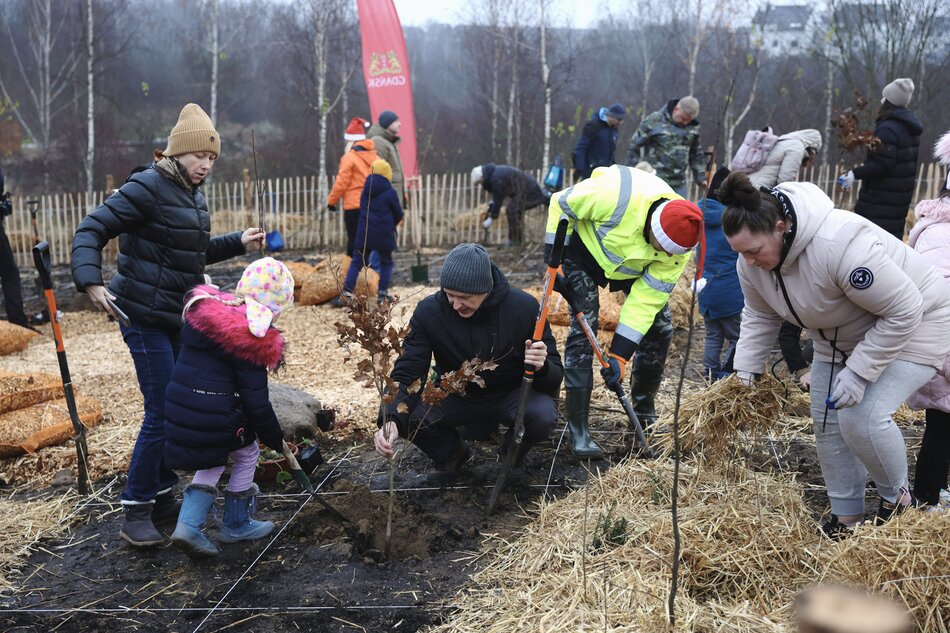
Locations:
(194, 132)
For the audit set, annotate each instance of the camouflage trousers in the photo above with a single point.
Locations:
(651, 353)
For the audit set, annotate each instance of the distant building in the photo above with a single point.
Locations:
(786, 29)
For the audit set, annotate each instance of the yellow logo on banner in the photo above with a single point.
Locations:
(384, 64)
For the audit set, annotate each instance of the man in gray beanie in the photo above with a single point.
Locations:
(476, 314)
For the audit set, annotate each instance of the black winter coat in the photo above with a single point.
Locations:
(505, 181)
(217, 399)
(164, 245)
(595, 147)
(889, 173)
(496, 331)
(381, 211)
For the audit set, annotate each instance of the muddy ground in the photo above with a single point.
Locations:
(318, 573)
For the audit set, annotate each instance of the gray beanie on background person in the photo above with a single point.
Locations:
(467, 269)
(899, 92)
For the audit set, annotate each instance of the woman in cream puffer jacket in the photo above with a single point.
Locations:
(877, 311)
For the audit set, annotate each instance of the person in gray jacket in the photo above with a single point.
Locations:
(786, 158)
(877, 312)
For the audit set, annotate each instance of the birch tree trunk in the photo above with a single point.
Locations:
(829, 107)
(215, 55)
(546, 82)
(320, 51)
(90, 103)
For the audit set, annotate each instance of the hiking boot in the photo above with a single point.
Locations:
(888, 509)
(138, 528)
(238, 523)
(188, 535)
(337, 302)
(836, 530)
(166, 507)
(383, 298)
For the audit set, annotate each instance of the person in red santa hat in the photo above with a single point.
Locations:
(629, 231)
(355, 168)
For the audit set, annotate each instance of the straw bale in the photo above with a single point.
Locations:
(326, 281)
(299, 270)
(224, 220)
(559, 311)
(908, 559)
(14, 338)
(746, 549)
(681, 297)
(44, 424)
(472, 220)
(711, 418)
(23, 390)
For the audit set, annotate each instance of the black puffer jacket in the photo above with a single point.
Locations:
(496, 331)
(164, 245)
(505, 181)
(889, 173)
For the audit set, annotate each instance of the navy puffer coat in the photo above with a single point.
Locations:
(217, 399)
(164, 245)
(889, 173)
(380, 212)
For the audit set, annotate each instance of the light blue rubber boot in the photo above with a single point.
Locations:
(238, 523)
(188, 536)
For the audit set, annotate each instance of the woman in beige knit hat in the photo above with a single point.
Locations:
(161, 219)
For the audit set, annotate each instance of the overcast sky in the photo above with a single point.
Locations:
(419, 12)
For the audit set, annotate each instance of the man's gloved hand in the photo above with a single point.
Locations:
(845, 181)
(487, 222)
(747, 378)
(331, 207)
(614, 372)
(848, 389)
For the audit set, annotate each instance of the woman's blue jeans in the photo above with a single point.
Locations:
(154, 351)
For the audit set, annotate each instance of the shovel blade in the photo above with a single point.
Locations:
(301, 478)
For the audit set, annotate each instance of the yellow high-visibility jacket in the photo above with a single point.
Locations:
(608, 212)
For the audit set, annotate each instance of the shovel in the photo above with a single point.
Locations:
(301, 478)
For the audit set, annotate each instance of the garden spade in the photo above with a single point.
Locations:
(301, 478)
(42, 260)
(563, 286)
(528, 378)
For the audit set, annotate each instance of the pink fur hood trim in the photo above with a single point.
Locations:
(928, 212)
(227, 326)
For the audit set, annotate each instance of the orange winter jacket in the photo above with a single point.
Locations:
(354, 169)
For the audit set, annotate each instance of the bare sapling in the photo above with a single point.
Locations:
(371, 330)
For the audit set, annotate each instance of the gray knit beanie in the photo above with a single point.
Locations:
(467, 269)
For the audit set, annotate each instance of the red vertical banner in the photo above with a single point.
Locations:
(386, 72)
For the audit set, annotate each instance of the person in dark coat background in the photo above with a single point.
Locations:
(889, 172)
(522, 192)
(9, 273)
(720, 297)
(475, 314)
(380, 213)
(598, 141)
(161, 219)
(217, 402)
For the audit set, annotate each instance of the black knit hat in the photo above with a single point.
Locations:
(467, 269)
(617, 111)
(387, 118)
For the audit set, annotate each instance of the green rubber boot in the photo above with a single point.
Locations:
(579, 383)
(644, 384)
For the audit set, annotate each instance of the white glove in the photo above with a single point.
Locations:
(746, 377)
(487, 222)
(845, 181)
(848, 389)
(698, 285)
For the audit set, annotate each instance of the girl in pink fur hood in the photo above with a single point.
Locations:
(931, 238)
(217, 404)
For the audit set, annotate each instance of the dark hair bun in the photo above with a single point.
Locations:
(738, 191)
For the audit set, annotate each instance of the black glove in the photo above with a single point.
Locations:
(331, 207)
(613, 373)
